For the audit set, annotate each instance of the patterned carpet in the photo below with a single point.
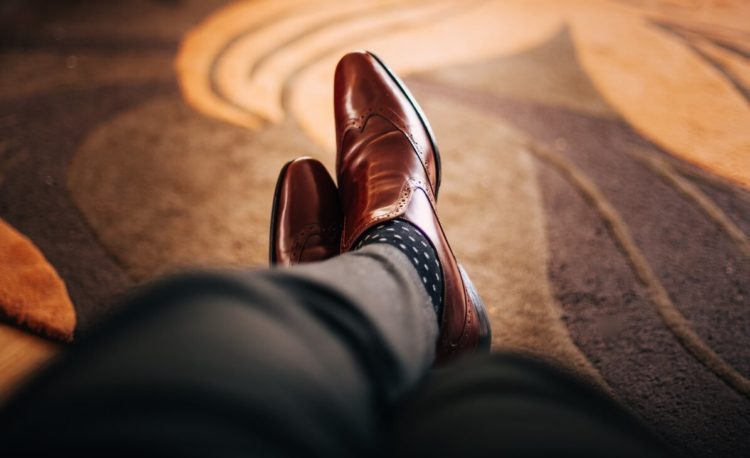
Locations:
(596, 176)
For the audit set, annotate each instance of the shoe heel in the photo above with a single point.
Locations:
(272, 233)
(485, 330)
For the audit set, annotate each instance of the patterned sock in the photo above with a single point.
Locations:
(418, 248)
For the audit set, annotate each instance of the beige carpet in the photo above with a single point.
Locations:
(596, 170)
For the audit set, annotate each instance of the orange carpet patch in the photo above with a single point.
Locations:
(31, 292)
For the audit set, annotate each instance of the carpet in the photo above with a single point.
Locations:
(596, 180)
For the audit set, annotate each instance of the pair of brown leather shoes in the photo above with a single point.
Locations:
(388, 167)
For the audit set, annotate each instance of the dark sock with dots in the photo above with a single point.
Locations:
(418, 248)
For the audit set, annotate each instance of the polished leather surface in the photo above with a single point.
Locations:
(306, 220)
(387, 169)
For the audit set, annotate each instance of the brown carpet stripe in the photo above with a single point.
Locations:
(674, 320)
(694, 194)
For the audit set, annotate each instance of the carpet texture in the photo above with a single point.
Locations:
(596, 163)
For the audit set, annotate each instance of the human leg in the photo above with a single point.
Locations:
(511, 405)
(285, 362)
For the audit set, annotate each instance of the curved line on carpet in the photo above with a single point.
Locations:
(705, 177)
(260, 26)
(717, 36)
(675, 321)
(323, 25)
(718, 66)
(398, 25)
(693, 193)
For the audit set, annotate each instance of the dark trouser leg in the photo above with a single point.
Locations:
(280, 363)
(507, 405)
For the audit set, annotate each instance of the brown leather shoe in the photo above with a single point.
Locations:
(388, 167)
(306, 215)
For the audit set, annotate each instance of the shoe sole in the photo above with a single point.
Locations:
(420, 114)
(272, 237)
(485, 330)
